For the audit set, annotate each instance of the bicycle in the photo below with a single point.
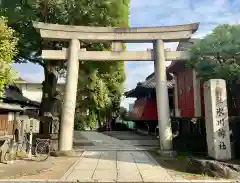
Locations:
(42, 148)
(40, 152)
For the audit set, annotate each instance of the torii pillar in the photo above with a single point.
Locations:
(164, 121)
(68, 111)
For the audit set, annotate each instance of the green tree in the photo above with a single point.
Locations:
(218, 56)
(69, 12)
(101, 84)
(8, 50)
(123, 113)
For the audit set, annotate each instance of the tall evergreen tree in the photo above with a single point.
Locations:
(106, 91)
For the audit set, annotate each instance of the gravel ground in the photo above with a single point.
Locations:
(52, 168)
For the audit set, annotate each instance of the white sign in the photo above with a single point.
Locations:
(216, 117)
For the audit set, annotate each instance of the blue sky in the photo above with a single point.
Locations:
(209, 13)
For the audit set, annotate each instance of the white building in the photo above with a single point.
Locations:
(33, 91)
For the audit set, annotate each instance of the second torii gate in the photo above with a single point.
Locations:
(155, 35)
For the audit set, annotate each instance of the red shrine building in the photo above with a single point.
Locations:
(186, 96)
(188, 89)
(145, 106)
(185, 92)
(186, 101)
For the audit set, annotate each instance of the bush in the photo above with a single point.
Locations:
(8, 50)
(78, 125)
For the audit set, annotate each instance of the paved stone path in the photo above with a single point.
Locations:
(112, 160)
(112, 166)
(106, 143)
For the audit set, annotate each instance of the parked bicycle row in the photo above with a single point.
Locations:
(24, 149)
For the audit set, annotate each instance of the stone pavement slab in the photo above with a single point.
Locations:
(106, 165)
(105, 175)
(129, 176)
(120, 166)
(81, 175)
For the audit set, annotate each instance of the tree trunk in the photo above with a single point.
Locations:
(48, 93)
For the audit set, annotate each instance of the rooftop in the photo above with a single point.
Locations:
(13, 94)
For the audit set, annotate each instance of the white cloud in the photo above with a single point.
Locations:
(161, 12)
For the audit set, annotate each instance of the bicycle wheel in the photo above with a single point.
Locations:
(9, 156)
(42, 151)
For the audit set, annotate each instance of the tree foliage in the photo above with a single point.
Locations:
(218, 54)
(8, 50)
(100, 84)
(123, 113)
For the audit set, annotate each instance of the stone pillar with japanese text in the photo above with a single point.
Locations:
(216, 119)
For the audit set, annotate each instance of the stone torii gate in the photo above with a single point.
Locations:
(155, 35)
